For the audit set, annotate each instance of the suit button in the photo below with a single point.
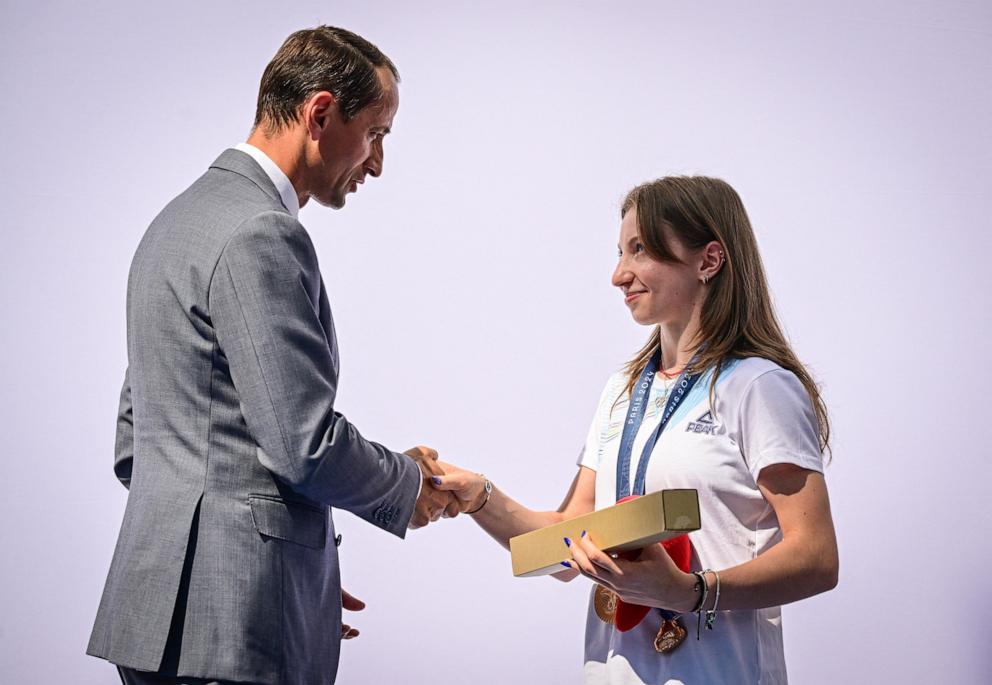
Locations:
(337, 540)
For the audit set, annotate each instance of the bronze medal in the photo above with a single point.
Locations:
(670, 636)
(605, 602)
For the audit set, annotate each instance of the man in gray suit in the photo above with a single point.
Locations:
(226, 567)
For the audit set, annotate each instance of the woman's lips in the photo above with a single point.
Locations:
(632, 295)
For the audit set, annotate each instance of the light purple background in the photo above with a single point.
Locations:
(470, 286)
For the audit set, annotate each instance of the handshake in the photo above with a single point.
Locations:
(446, 490)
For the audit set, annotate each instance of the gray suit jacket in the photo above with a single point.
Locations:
(231, 448)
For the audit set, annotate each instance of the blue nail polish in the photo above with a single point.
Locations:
(436, 480)
(568, 543)
(583, 534)
(566, 564)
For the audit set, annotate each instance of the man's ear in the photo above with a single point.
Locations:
(319, 112)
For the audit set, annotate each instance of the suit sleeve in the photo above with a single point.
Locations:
(264, 303)
(124, 442)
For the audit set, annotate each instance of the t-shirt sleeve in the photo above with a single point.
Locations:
(589, 455)
(778, 424)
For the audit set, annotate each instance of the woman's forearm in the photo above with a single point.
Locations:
(789, 571)
(503, 518)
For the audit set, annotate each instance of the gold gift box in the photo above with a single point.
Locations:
(632, 525)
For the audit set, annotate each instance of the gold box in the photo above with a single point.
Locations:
(634, 524)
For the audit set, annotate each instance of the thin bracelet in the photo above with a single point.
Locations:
(701, 584)
(489, 491)
(711, 614)
(698, 611)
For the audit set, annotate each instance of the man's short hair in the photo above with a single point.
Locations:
(313, 60)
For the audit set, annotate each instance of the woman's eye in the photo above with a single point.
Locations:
(638, 247)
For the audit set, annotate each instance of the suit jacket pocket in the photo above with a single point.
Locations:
(296, 522)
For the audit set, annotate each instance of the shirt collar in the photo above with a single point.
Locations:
(280, 180)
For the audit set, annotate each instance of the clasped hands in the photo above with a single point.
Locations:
(446, 491)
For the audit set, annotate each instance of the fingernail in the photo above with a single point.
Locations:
(566, 564)
(568, 543)
(583, 534)
(435, 480)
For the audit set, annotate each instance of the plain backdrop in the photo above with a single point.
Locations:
(470, 286)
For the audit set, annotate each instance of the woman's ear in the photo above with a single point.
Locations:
(712, 261)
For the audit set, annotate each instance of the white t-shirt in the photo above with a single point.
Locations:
(761, 415)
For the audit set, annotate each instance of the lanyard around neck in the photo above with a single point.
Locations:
(635, 416)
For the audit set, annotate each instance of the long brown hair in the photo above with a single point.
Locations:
(737, 319)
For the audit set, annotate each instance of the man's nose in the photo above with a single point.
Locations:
(373, 165)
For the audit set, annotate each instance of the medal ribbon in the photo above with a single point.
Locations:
(635, 416)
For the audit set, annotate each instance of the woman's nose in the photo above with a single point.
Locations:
(621, 275)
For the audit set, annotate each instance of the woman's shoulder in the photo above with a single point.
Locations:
(752, 367)
(613, 394)
(739, 374)
(615, 385)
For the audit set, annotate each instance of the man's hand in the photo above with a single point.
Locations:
(432, 503)
(351, 604)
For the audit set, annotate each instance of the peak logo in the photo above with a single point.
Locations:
(704, 424)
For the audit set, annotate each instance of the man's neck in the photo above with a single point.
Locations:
(286, 151)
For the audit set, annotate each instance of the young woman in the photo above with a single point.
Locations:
(743, 424)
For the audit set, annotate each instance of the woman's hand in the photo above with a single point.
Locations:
(468, 488)
(650, 579)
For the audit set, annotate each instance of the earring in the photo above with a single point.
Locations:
(705, 279)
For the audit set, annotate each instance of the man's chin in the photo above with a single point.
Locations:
(334, 202)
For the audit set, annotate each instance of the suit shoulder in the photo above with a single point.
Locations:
(271, 230)
(272, 241)
(203, 217)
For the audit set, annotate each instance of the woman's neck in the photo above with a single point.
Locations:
(678, 343)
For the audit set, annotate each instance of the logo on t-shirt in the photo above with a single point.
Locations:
(704, 424)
